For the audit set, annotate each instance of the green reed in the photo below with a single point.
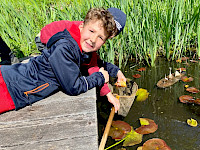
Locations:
(154, 28)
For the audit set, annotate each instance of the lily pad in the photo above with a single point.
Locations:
(121, 125)
(186, 99)
(184, 58)
(116, 133)
(132, 138)
(192, 122)
(147, 126)
(136, 75)
(155, 144)
(186, 79)
(142, 94)
(119, 129)
(181, 69)
(141, 69)
(192, 90)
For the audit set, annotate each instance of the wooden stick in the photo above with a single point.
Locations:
(107, 129)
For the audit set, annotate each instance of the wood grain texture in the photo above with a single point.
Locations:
(57, 122)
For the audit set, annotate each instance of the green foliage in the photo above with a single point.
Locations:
(162, 27)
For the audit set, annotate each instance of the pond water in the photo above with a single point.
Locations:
(163, 106)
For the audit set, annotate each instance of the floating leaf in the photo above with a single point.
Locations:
(178, 61)
(192, 122)
(192, 90)
(139, 148)
(197, 101)
(184, 58)
(186, 99)
(155, 144)
(116, 133)
(121, 84)
(119, 129)
(147, 129)
(181, 69)
(141, 69)
(186, 79)
(186, 86)
(142, 94)
(121, 125)
(137, 76)
(144, 121)
(132, 138)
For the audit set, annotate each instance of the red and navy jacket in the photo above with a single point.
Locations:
(50, 29)
(57, 68)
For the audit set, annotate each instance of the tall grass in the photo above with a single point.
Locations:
(154, 28)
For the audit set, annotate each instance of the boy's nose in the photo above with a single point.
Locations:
(93, 39)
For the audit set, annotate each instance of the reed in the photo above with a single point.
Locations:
(154, 27)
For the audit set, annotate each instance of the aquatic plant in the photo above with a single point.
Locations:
(153, 28)
(122, 131)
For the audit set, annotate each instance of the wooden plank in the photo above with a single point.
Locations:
(57, 122)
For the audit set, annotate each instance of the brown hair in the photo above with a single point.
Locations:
(106, 18)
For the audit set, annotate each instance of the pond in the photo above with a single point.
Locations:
(163, 106)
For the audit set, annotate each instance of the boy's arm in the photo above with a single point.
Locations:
(67, 72)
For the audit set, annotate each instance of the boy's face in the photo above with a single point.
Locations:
(93, 36)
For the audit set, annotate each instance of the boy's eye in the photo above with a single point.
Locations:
(101, 38)
(91, 31)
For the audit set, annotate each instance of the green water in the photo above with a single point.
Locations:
(163, 106)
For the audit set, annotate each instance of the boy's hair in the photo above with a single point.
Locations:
(106, 18)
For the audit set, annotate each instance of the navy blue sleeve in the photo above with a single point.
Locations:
(111, 68)
(65, 65)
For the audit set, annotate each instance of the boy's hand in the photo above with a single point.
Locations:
(113, 100)
(121, 77)
(105, 74)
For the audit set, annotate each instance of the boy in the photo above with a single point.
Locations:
(59, 66)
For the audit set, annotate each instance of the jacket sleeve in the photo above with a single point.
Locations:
(95, 63)
(65, 66)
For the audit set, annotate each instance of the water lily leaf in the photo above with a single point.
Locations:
(186, 86)
(132, 138)
(155, 144)
(121, 84)
(178, 61)
(119, 129)
(197, 101)
(116, 133)
(186, 79)
(186, 99)
(121, 125)
(192, 122)
(147, 129)
(141, 69)
(181, 69)
(144, 121)
(142, 94)
(184, 58)
(139, 148)
(192, 90)
(137, 76)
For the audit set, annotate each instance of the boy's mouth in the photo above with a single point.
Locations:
(88, 45)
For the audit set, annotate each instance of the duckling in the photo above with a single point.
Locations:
(170, 73)
(166, 77)
(177, 74)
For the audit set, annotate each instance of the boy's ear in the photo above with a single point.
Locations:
(111, 37)
(81, 26)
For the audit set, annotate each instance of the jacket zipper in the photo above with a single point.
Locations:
(37, 89)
